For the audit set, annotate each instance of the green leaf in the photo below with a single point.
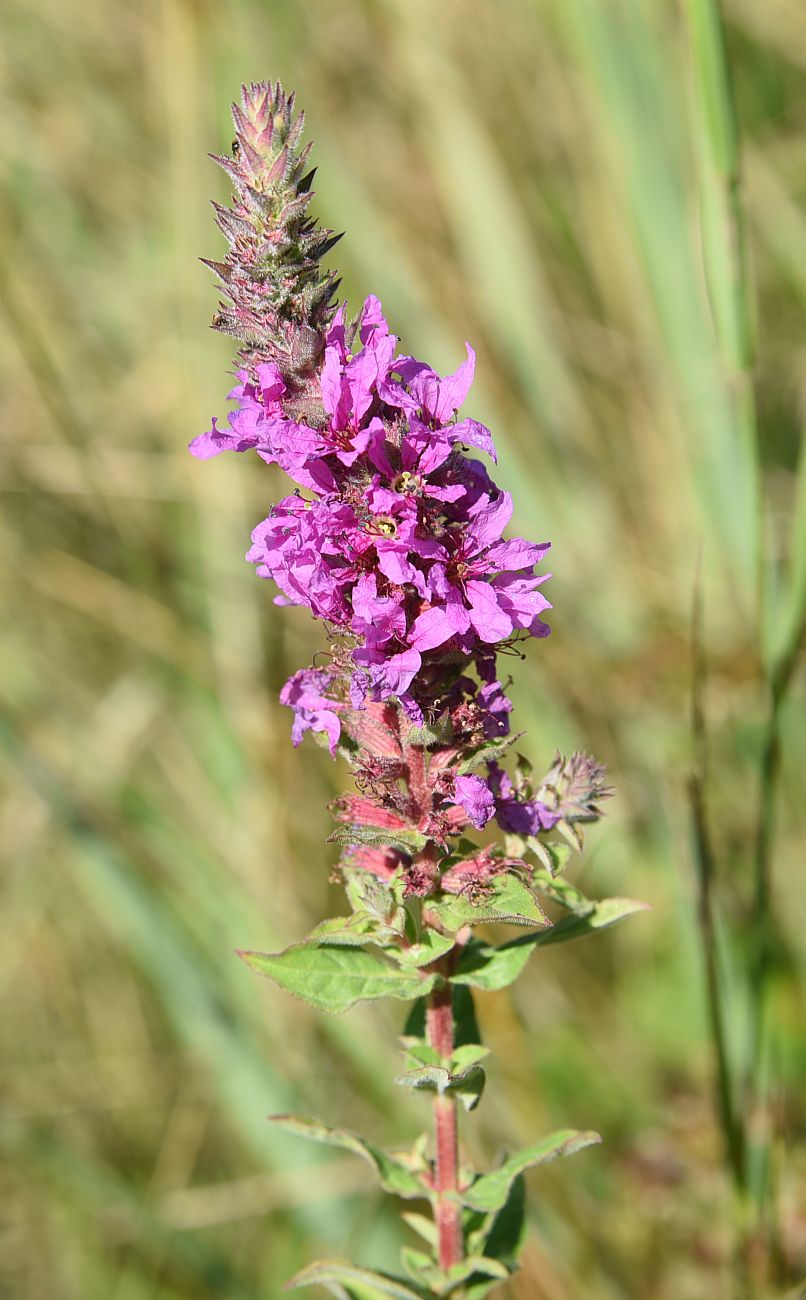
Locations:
(381, 899)
(379, 837)
(419, 1052)
(484, 966)
(477, 1264)
(467, 1083)
(562, 892)
(393, 1174)
(508, 899)
(478, 1290)
(333, 978)
(430, 947)
(440, 733)
(439, 1282)
(417, 1264)
(489, 752)
(466, 1055)
(355, 930)
(490, 1191)
(603, 914)
(504, 1237)
(572, 833)
(423, 1226)
(381, 1285)
(554, 857)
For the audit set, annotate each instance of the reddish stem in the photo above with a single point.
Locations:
(447, 1211)
(418, 783)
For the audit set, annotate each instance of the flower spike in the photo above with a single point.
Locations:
(393, 537)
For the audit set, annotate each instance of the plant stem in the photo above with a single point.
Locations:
(447, 1212)
(704, 859)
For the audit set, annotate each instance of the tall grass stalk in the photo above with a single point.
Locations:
(750, 1132)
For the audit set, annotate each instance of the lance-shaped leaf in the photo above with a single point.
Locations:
(381, 899)
(423, 1226)
(506, 898)
(603, 914)
(503, 1236)
(428, 948)
(489, 752)
(478, 1290)
(476, 1264)
(355, 931)
(561, 891)
(441, 733)
(407, 841)
(392, 1172)
(439, 1282)
(419, 1266)
(333, 977)
(484, 966)
(468, 1085)
(490, 1191)
(354, 1281)
(461, 1074)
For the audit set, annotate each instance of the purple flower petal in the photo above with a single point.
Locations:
(516, 554)
(437, 625)
(475, 435)
(488, 618)
(476, 798)
(489, 522)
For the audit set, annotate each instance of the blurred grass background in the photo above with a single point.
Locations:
(537, 176)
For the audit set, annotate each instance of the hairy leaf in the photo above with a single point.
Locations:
(328, 1271)
(504, 1236)
(379, 898)
(507, 898)
(490, 1191)
(604, 913)
(333, 977)
(424, 1271)
(561, 891)
(441, 733)
(417, 1264)
(379, 836)
(489, 752)
(467, 1083)
(422, 1225)
(555, 857)
(392, 1173)
(355, 930)
(478, 1290)
(429, 947)
(477, 1264)
(484, 966)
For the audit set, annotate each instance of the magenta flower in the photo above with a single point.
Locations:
(420, 391)
(476, 798)
(487, 588)
(400, 540)
(314, 710)
(516, 810)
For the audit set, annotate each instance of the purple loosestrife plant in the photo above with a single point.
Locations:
(393, 536)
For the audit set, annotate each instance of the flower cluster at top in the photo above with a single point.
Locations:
(394, 534)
